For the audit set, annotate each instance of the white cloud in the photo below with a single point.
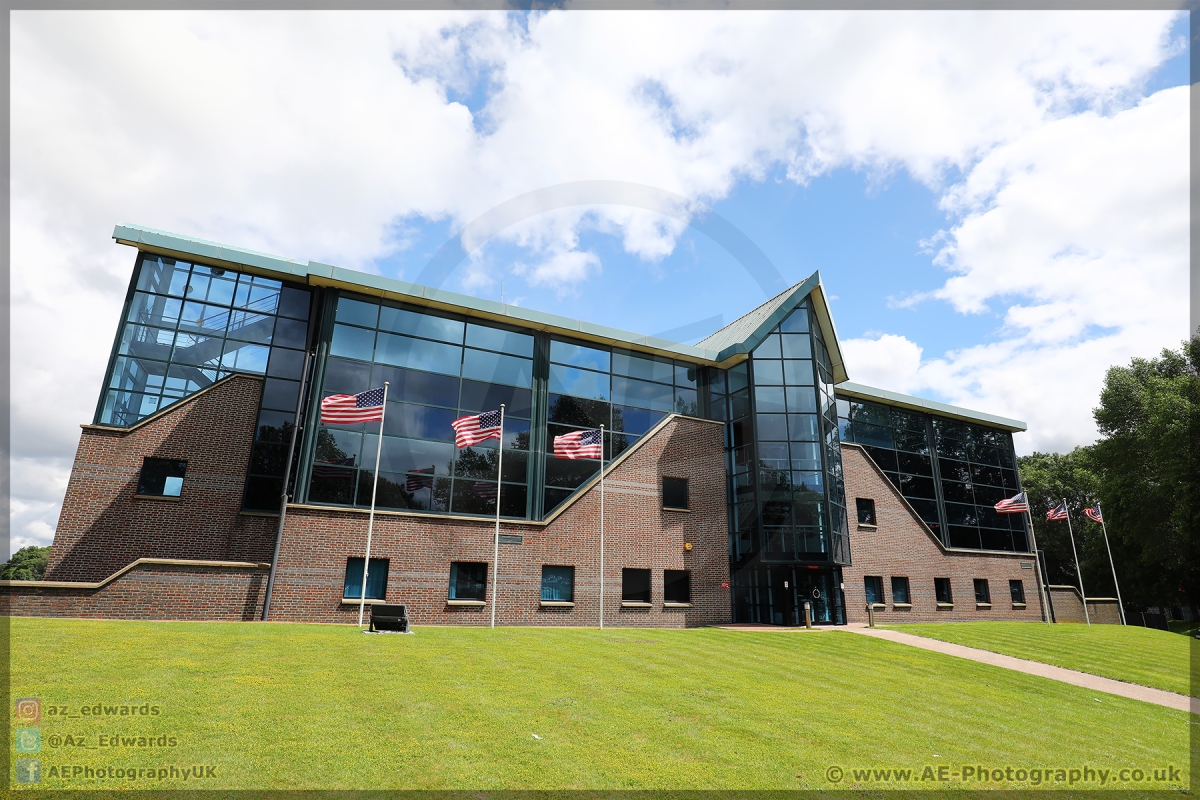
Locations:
(325, 135)
(887, 361)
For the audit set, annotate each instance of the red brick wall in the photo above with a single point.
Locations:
(639, 534)
(149, 591)
(902, 546)
(103, 527)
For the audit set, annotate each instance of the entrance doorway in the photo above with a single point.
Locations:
(776, 594)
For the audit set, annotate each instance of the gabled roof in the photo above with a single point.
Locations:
(747, 331)
(723, 348)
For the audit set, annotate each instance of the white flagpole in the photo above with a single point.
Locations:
(1117, 586)
(362, 601)
(1037, 564)
(601, 527)
(496, 544)
(1078, 571)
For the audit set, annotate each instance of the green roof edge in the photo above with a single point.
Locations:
(864, 392)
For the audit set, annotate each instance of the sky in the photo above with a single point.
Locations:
(997, 202)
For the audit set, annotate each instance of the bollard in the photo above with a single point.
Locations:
(807, 614)
(870, 615)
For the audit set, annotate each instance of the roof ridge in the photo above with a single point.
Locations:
(749, 313)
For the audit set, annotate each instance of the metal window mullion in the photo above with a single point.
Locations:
(112, 355)
(538, 422)
(323, 323)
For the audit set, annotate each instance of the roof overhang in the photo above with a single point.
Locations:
(861, 392)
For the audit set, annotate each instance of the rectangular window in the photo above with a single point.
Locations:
(900, 590)
(677, 586)
(1017, 589)
(161, 477)
(866, 510)
(873, 584)
(675, 493)
(981, 591)
(468, 581)
(941, 587)
(376, 579)
(635, 586)
(558, 584)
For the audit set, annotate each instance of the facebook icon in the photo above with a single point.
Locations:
(29, 770)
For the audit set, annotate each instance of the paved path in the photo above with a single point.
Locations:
(1180, 702)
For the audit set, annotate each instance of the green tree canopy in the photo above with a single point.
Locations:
(27, 564)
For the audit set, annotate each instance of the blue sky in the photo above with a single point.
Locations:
(1042, 157)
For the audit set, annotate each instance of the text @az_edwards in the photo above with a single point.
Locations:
(1026, 776)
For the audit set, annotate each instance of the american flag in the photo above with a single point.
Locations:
(1093, 513)
(1013, 505)
(1058, 512)
(329, 469)
(578, 444)
(422, 479)
(351, 409)
(485, 491)
(470, 431)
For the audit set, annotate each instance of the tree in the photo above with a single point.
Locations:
(1148, 464)
(27, 564)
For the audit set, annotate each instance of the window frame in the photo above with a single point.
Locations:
(1016, 590)
(674, 493)
(172, 465)
(877, 581)
(901, 580)
(452, 597)
(982, 583)
(551, 601)
(672, 578)
(629, 597)
(943, 598)
(866, 504)
(354, 570)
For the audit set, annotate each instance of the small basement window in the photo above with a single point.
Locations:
(1017, 589)
(677, 586)
(635, 586)
(675, 493)
(900, 590)
(941, 588)
(161, 477)
(468, 580)
(982, 595)
(376, 579)
(866, 510)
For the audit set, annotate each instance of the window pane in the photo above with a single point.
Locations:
(415, 387)
(163, 276)
(517, 344)
(686, 375)
(579, 356)
(900, 590)
(496, 368)
(686, 402)
(796, 345)
(274, 426)
(192, 348)
(284, 363)
(376, 579)
(242, 357)
(292, 302)
(772, 427)
(639, 393)
(138, 375)
(290, 333)
(676, 586)
(357, 312)
(768, 372)
(154, 475)
(203, 318)
(212, 285)
(478, 396)
(143, 340)
(738, 376)
(908, 420)
(157, 310)
(768, 348)
(401, 351)
(352, 342)
(912, 441)
(797, 321)
(798, 373)
(579, 382)
(675, 492)
(580, 412)
(340, 447)
(409, 455)
(769, 399)
(634, 420)
(331, 485)
(280, 394)
(468, 581)
(419, 422)
(184, 380)
(803, 427)
(553, 498)
(428, 326)
(558, 584)
(639, 366)
(635, 585)
(569, 473)
(346, 377)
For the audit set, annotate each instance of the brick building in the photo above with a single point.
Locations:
(744, 477)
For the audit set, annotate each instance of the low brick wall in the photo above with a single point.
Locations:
(1068, 607)
(901, 545)
(147, 590)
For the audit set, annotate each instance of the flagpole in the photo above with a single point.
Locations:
(601, 527)
(496, 543)
(1037, 565)
(1117, 586)
(362, 601)
(1078, 571)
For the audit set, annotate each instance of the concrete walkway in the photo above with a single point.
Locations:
(1179, 702)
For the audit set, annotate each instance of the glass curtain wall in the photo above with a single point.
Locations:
(439, 368)
(626, 392)
(189, 325)
(972, 467)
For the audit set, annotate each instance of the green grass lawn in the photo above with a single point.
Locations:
(1138, 655)
(317, 706)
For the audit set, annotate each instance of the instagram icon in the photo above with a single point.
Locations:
(29, 709)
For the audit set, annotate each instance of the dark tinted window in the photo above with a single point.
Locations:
(1017, 589)
(635, 585)
(558, 584)
(675, 493)
(376, 579)
(900, 590)
(942, 589)
(468, 581)
(161, 477)
(982, 595)
(873, 586)
(677, 586)
(866, 510)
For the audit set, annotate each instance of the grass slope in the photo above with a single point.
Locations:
(314, 706)
(1137, 655)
